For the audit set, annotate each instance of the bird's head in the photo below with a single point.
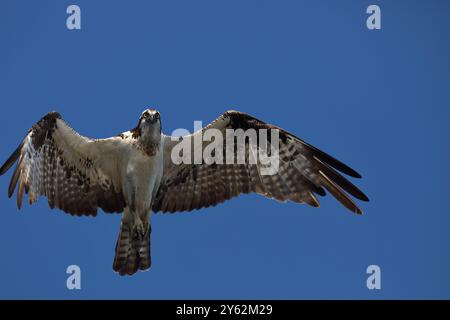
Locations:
(149, 117)
(150, 124)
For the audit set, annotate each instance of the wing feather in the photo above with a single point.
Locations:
(15, 178)
(12, 159)
(304, 171)
(75, 173)
(339, 194)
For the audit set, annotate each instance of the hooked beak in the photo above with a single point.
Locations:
(151, 119)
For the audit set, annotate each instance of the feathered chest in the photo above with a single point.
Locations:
(148, 149)
(142, 176)
(141, 164)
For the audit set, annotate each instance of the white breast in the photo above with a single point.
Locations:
(142, 176)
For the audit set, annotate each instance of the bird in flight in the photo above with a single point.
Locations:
(135, 174)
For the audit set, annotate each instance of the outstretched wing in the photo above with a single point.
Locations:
(76, 174)
(304, 171)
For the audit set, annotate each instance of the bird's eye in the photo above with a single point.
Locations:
(145, 115)
(156, 115)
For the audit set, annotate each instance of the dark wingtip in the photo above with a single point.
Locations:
(341, 181)
(315, 151)
(364, 198)
(12, 158)
(325, 157)
(339, 194)
(355, 174)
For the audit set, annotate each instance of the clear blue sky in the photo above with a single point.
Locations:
(377, 100)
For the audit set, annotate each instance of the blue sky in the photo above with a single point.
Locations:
(377, 100)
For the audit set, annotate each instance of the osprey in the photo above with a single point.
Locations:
(134, 174)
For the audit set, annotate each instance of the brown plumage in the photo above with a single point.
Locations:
(131, 254)
(47, 168)
(303, 172)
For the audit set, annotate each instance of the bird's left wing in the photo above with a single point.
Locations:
(78, 175)
(304, 171)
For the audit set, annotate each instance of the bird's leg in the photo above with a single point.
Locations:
(140, 228)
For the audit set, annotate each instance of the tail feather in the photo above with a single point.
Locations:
(131, 254)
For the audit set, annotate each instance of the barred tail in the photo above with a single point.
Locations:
(131, 254)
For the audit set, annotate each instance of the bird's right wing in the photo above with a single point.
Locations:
(77, 175)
